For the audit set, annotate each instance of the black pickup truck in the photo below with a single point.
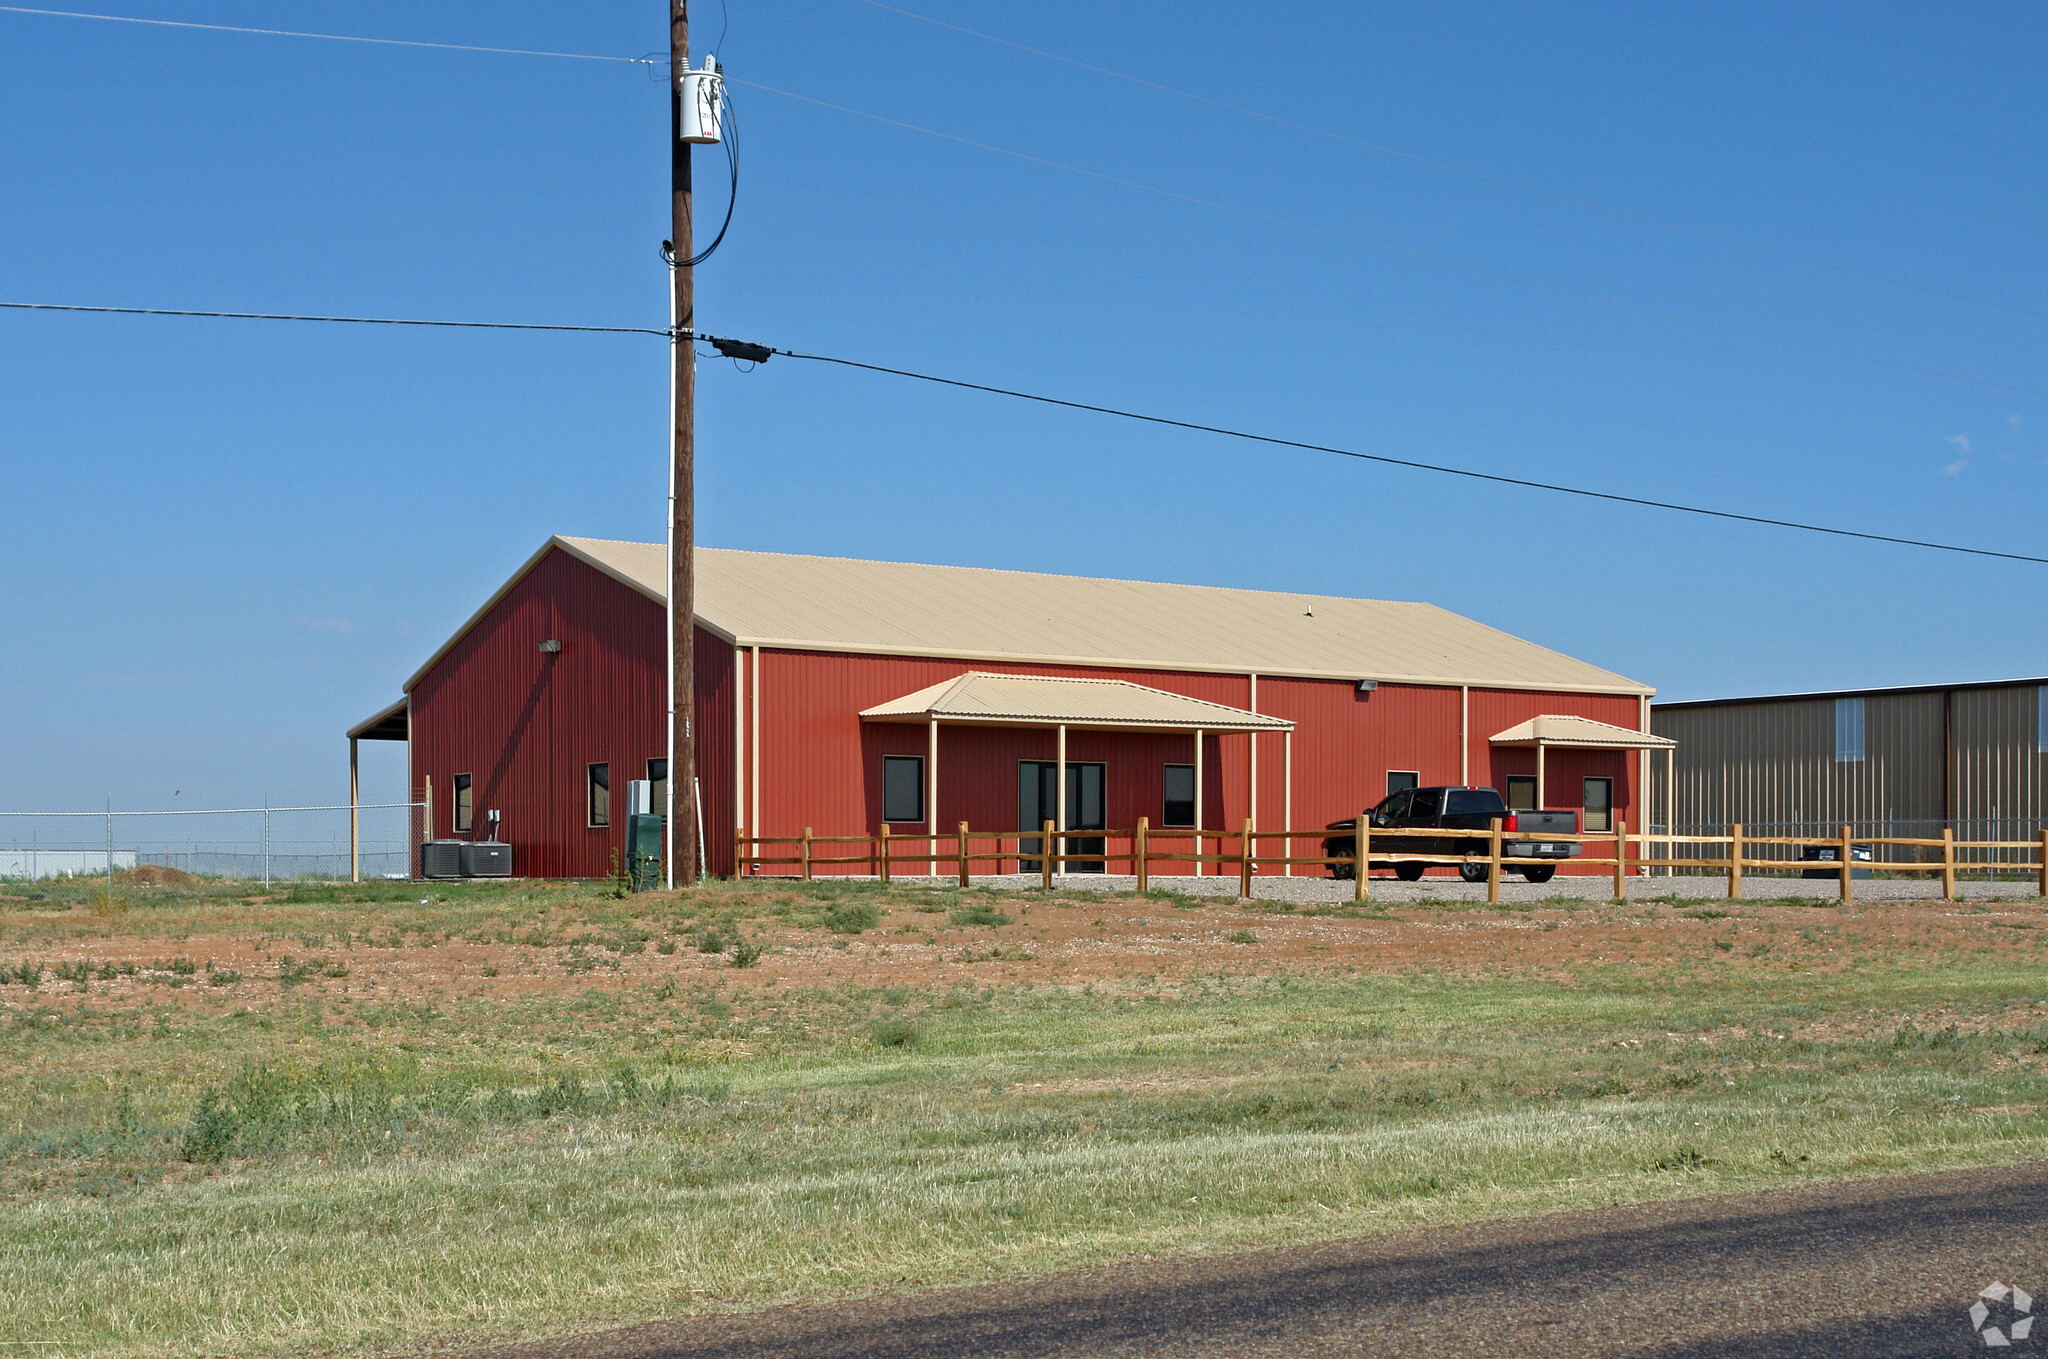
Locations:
(1448, 808)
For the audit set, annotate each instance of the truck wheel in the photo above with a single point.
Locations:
(1341, 872)
(1543, 874)
(1473, 872)
(1409, 872)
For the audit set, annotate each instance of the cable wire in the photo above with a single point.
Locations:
(328, 37)
(733, 347)
(337, 320)
(1462, 170)
(1414, 465)
(1480, 270)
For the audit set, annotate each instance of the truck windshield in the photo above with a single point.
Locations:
(1470, 801)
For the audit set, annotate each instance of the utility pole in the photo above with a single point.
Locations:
(681, 812)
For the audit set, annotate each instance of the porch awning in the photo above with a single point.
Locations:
(386, 724)
(982, 699)
(1583, 733)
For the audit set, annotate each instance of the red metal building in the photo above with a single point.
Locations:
(840, 694)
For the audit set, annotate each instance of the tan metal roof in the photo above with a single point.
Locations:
(1553, 729)
(1046, 700)
(972, 613)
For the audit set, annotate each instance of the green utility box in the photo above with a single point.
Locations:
(643, 850)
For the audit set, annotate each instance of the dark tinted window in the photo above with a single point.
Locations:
(1471, 801)
(1180, 796)
(1599, 804)
(1521, 792)
(1397, 779)
(600, 795)
(903, 788)
(463, 805)
(1426, 802)
(1397, 805)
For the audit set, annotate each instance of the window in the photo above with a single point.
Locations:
(463, 814)
(1521, 793)
(1473, 802)
(600, 795)
(1180, 796)
(1396, 805)
(657, 786)
(1400, 779)
(903, 788)
(1599, 805)
(1426, 802)
(1848, 730)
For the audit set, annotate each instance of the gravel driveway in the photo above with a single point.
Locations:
(1877, 1268)
(1308, 891)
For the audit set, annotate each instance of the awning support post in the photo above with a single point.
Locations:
(1198, 802)
(931, 798)
(1540, 801)
(355, 862)
(1287, 794)
(1059, 795)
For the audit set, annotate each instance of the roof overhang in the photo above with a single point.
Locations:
(386, 724)
(981, 699)
(1583, 733)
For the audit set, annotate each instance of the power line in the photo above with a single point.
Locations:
(337, 320)
(1480, 270)
(1411, 463)
(1462, 170)
(327, 37)
(749, 352)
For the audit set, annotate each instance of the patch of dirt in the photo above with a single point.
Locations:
(155, 875)
(1124, 945)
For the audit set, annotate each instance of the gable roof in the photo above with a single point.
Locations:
(973, 613)
(1049, 700)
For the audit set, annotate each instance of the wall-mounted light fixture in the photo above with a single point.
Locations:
(1367, 686)
(551, 646)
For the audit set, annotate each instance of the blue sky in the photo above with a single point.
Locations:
(226, 541)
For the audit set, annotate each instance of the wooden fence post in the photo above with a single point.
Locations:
(739, 852)
(2044, 863)
(1948, 863)
(807, 853)
(1735, 862)
(1361, 853)
(963, 854)
(882, 851)
(1493, 860)
(1843, 849)
(1045, 857)
(1244, 861)
(1620, 859)
(1141, 867)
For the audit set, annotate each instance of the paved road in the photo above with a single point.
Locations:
(1880, 1268)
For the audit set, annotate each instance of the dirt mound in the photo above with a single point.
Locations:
(156, 875)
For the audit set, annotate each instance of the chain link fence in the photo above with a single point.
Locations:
(267, 843)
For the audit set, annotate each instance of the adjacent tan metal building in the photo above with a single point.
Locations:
(1902, 761)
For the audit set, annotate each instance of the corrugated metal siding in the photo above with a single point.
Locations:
(1998, 773)
(525, 724)
(715, 747)
(1773, 763)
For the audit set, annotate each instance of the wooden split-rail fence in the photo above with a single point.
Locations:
(956, 854)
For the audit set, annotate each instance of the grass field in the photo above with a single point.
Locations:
(340, 1119)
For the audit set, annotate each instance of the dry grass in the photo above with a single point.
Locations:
(317, 1122)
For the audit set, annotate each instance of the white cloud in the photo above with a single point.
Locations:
(1962, 442)
(1958, 465)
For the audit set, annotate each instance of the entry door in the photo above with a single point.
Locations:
(1037, 784)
